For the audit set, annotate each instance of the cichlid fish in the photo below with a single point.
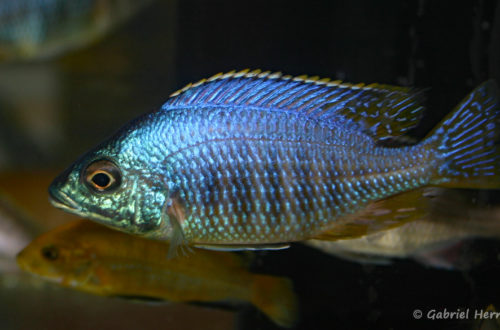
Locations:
(256, 160)
(34, 29)
(95, 259)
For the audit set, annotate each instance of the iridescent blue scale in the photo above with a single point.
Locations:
(295, 163)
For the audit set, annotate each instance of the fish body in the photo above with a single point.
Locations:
(95, 259)
(251, 159)
(31, 29)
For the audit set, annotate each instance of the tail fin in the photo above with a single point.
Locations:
(275, 297)
(469, 141)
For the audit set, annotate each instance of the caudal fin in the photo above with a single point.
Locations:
(275, 297)
(468, 141)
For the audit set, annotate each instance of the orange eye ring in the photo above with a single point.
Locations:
(102, 176)
(100, 179)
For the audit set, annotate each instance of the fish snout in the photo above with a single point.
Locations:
(58, 198)
(22, 260)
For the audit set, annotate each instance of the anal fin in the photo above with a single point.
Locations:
(384, 214)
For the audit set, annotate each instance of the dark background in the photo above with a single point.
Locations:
(448, 47)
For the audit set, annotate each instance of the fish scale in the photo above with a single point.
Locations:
(292, 201)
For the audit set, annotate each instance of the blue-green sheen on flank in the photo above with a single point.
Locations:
(252, 158)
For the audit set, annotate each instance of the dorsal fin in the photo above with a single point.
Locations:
(382, 111)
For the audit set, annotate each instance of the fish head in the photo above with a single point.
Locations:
(117, 185)
(56, 259)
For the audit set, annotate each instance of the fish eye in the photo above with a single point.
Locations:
(50, 252)
(102, 176)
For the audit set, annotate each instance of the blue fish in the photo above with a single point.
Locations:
(251, 160)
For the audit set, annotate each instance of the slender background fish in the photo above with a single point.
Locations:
(249, 159)
(455, 217)
(40, 28)
(95, 259)
(434, 244)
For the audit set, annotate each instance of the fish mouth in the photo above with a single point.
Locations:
(62, 201)
(21, 260)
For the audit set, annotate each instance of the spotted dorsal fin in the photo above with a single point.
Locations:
(382, 111)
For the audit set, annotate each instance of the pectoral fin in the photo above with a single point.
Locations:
(176, 214)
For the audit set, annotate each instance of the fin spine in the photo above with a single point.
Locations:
(381, 111)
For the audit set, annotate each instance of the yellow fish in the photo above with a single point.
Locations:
(95, 259)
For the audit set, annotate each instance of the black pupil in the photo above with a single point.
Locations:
(101, 180)
(50, 252)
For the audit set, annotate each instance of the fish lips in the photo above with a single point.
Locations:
(57, 197)
(62, 201)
